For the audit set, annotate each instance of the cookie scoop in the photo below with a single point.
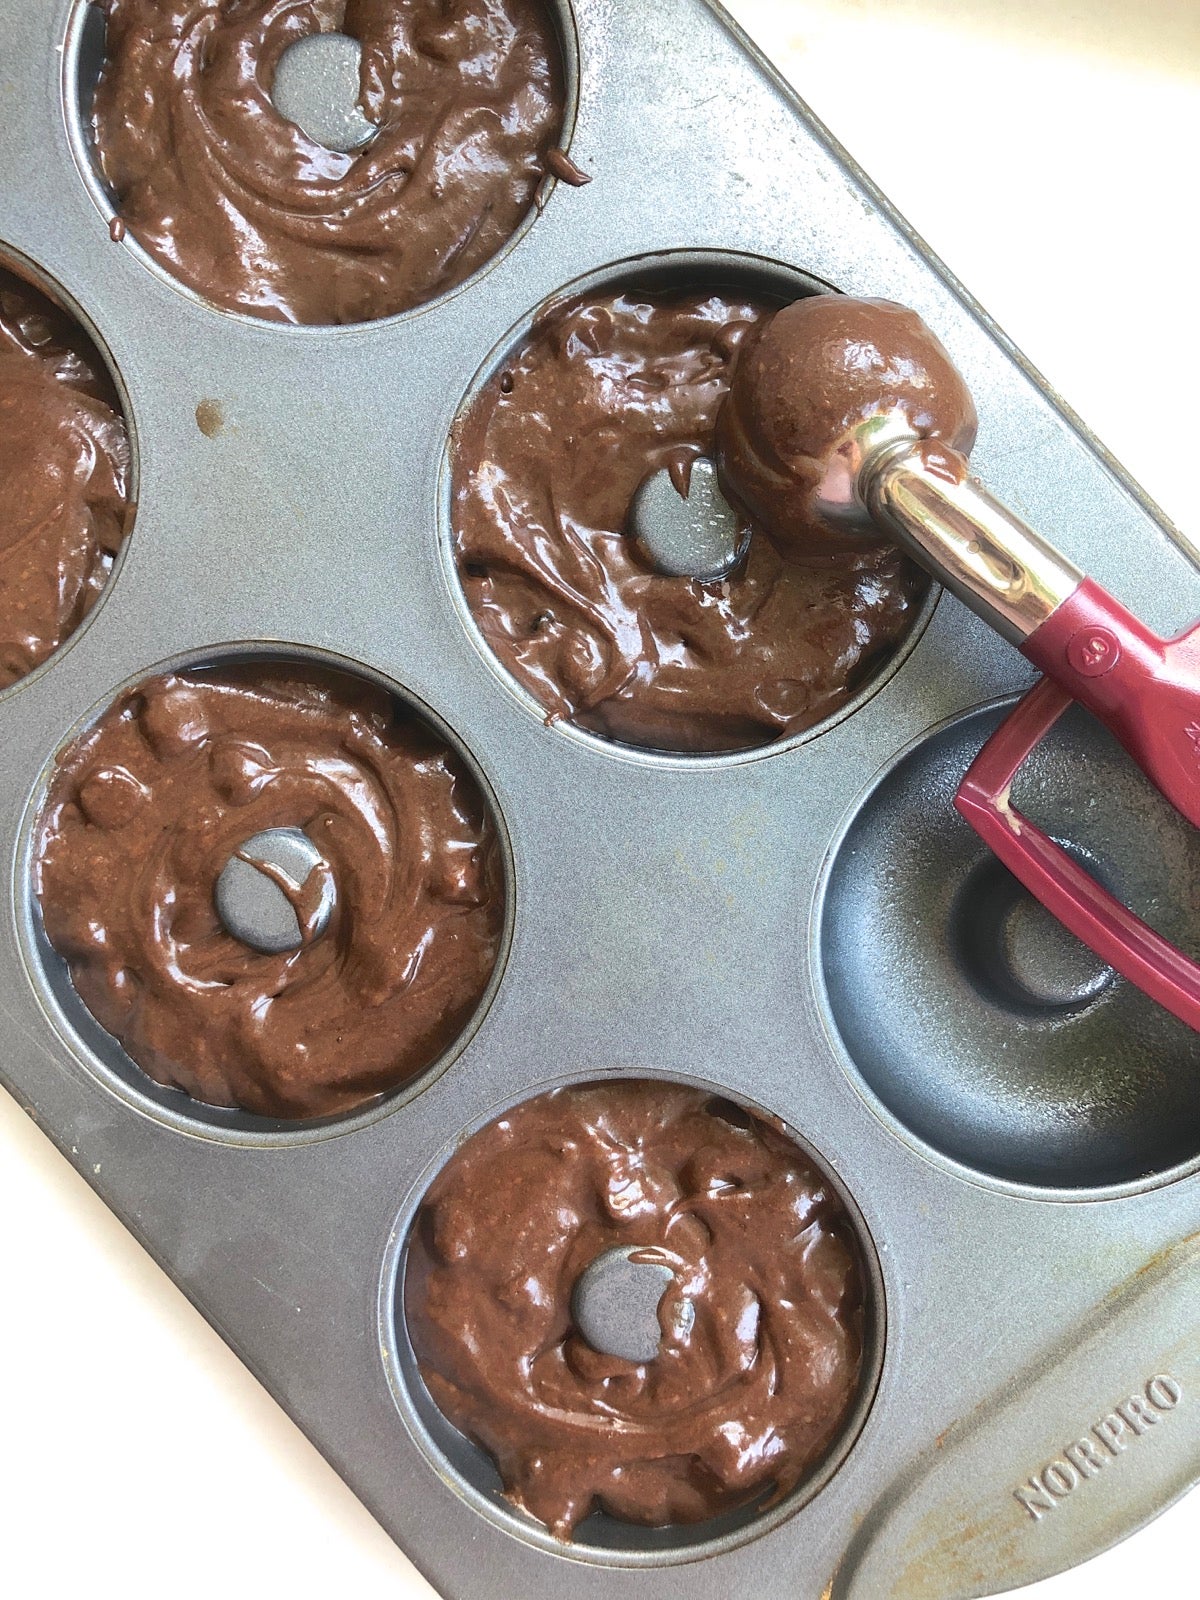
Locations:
(846, 423)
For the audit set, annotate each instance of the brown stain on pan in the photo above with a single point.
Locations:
(210, 419)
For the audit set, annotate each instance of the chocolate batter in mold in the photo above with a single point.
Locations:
(461, 108)
(278, 888)
(638, 1299)
(64, 476)
(607, 390)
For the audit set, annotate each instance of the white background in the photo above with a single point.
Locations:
(1051, 161)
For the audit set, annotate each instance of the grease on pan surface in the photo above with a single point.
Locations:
(606, 390)
(64, 476)
(248, 211)
(146, 808)
(741, 1403)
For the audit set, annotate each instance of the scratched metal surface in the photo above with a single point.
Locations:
(1017, 1319)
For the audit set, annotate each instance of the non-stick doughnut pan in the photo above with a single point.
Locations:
(668, 916)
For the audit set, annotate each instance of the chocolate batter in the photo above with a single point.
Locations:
(249, 212)
(805, 378)
(744, 1402)
(146, 808)
(64, 476)
(606, 390)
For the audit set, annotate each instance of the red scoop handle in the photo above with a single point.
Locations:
(1146, 690)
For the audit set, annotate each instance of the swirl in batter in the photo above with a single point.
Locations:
(64, 477)
(144, 811)
(605, 391)
(251, 213)
(742, 1402)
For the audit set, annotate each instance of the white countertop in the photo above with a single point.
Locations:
(136, 1453)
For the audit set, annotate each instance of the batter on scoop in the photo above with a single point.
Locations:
(805, 378)
(64, 477)
(147, 807)
(745, 1395)
(251, 213)
(606, 390)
